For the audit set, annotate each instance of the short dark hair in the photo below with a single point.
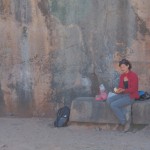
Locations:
(125, 62)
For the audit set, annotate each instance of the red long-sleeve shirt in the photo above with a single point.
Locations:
(132, 89)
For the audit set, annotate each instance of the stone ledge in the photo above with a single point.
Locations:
(141, 112)
(87, 109)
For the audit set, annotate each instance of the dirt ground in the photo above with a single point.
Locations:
(39, 134)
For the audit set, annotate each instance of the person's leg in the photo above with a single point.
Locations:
(113, 98)
(118, 107)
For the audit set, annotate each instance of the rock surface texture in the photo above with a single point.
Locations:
(52, 51)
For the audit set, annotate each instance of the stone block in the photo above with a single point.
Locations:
(141, 112)
(87, 109)
(81, 109)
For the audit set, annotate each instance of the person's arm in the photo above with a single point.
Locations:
(120, 88)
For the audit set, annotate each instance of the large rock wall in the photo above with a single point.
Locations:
(53, 51)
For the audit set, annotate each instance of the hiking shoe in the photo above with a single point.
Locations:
(126, 127)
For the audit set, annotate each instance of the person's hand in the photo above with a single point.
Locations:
(119, 90)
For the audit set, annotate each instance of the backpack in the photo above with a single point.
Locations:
(62, 117)
(143, 95)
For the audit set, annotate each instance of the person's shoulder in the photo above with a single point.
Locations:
(133, 73)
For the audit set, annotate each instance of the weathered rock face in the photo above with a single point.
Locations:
(53, 51)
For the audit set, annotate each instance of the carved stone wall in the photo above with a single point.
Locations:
(53, 51)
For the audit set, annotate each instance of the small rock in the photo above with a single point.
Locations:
(3, 145)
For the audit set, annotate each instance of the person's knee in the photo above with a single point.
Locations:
(113, 106)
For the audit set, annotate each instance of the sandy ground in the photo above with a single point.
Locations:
(39, 134)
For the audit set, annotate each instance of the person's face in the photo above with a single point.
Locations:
(124, 68)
